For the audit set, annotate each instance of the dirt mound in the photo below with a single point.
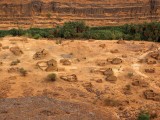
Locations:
(43, 108)
(16, 51)
(40, 54)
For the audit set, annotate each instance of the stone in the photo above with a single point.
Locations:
(108, 72)
(111, 78)
(127, 90)
(13, 70)
(65, 62)
(155, 55)
(109, 60)
(114, 51)
(101, 62)
(42, 65)
(69, 78)
(150, 70)
(121, 42)
(102, 45)
(99, 81)
(13, 63)
(48, 66)
(88, 86)
(40, 54)
(151, 61)
(52, 65)
(140, 83)
(116, 61)
(151, 95)
(16, 51)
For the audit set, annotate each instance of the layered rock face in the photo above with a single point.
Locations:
(49, 13)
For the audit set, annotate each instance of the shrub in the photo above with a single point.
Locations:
(137, 36)
(116, 35)
(51, 77)
(23, 72)
(72, 29)
(128, 37)
(15, 62)
(16, 32)
(48, 15)
(37, 36)
(3, 33)
(58, 41)
(78, 29)
(100, 34)
(130, 74)
(143, 116)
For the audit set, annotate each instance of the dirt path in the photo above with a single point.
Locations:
(136, 66)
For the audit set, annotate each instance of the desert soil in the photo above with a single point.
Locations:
(122, 77)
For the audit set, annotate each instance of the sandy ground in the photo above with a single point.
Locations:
(121, 97)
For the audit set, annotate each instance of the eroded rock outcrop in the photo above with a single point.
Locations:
(42, 13)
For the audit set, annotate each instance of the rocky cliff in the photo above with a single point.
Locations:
(49, 13)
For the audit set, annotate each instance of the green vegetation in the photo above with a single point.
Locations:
(23, 72)
(144, 116)
(130, 74)
(51, 77)
(15, 62)
(79, 30)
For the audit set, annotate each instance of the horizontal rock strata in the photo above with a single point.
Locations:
(49, 13)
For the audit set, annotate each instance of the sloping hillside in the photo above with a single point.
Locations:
(119, 76)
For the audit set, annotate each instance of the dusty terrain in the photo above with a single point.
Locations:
(117, 76)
